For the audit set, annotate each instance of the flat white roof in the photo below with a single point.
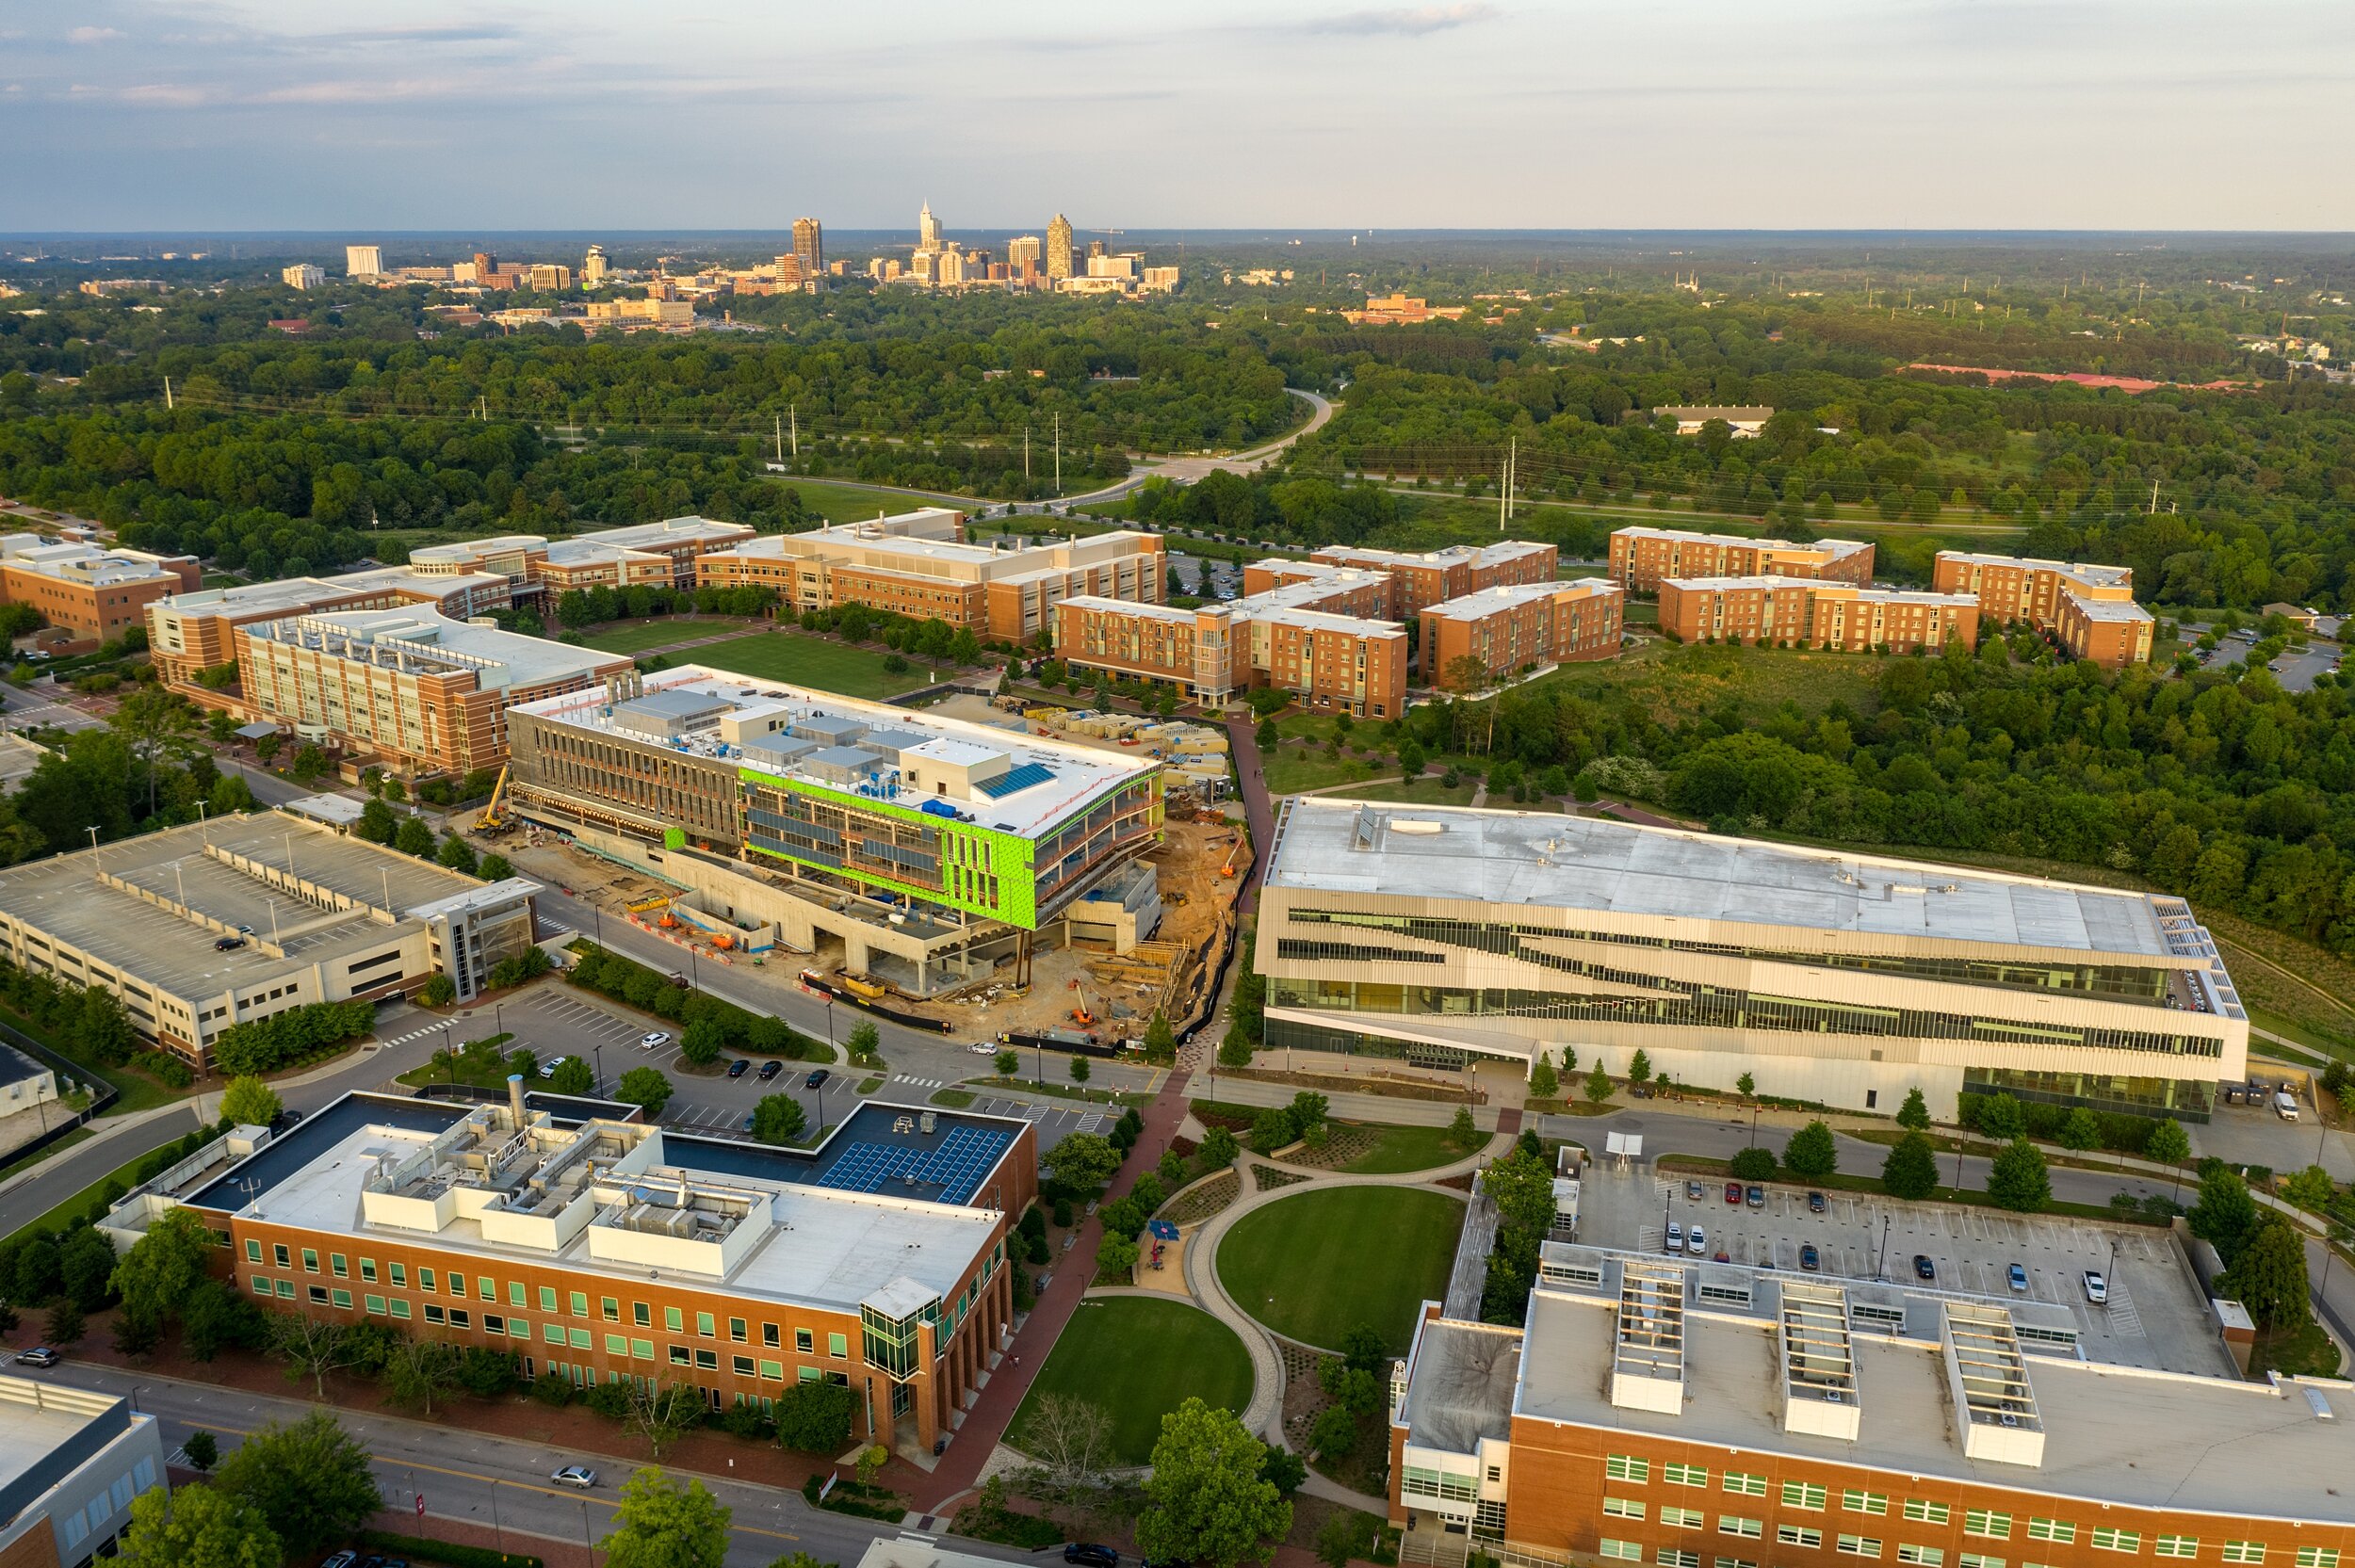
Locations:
(1487, 601)
(292, 595)
(1590, 864)
(1833, 548)
(420, 638)
(1818, 585)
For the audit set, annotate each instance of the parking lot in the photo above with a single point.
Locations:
(552, 1022)
(2155, 1316)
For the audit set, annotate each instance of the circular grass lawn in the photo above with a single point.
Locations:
(1315, 1265)
(1139, 1358)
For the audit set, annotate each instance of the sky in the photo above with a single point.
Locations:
(344, 117)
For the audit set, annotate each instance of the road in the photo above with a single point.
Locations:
(38, 706)
(479, 1478)
(1186, 470)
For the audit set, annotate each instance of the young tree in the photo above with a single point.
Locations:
(415, 838)
(1463, 1131)
(1072, 1440)
(1915, 1113)
(1598, 1086)
(1218, 1150)
(778, 1119)
(164, 1267)
(456, 854)
(1345, 1534)
(310, 1480)
(197, 1527)
(200, 1448)
(1812, 1153)
(2080, 1129)
(1205, 1501)
(703, 1040)
(1161, 1040)
(1333, 1433)
(250, 1102)
(662, 1524)
(1910, 1171)
(644, 1086)
(865, 1043)
(1235, 1050)
(1008, 1063)
(658, 1415)
(2168, 1144)
(64, 1323)
(1079, 1069)
(2001, 1118)
(311, 1346)
(1543, 1083)
(1753, 1164)
(814, 1417)
(2225, 1214)
(418, 1369)
(572, 1076)
(1746, 1084)
(1639, 1069)
(2018, 1181)
(1082, 1161)
(2269, 1278)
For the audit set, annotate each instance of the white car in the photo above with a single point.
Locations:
(575, 1475)
(1695, 1241)
(653, 1039)
(982, 1048)
(2097, 1288)
(1676, 1236)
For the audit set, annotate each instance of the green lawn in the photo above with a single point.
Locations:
(1675, 682)
(1140, 1358)
(840, 503)
(1313, 1266)
(1407, 1149)
(64, 1214)
(636, 637)
(815, 661)
(1426, 791)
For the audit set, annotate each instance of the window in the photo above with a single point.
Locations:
(1624, 1468)
(494, 1323)
(401, 1308)
(1865, 1502)
(368, 1271)
(611, 1309)
(425, 1279)
(1622, 1508)
(616, 1345)
(580, 1303)
(1973, 1560)
(1682, 1518)
(1858, 1546)
(772, 1370)
(547, 1297)
(578, 1338)
(2175, 1546)
(2244, 1551)
(1735, 1562)
(707, 1360)
(680, 1357)
(261, 1285)
(400, 1274)
(310, 1260)
(768, 1335)
(1629, 1550)
(800, 1340)
(1805, 1495)
(337, 1266)
(838, 1346)
(2315, 1556)
(2110, 1539)
(704, 1325)
(484, 1286)
(279, 1249)
(642, 1315)
(434, 1313)
(674, 1319)
(286, 1290)
(1675, 1556)
(1748, 1530)
(2052, 1529)
(1987, 1522)
(1922, 1557)
(552, 1333)
(742, 1365)
(641, 1349)
(252, 1250)
(805, 1374)
(515, 1296)
(1743, 1485)
(1922, 1511)
(1684, 1474)
(1799, 1535)
(374, 1303)
(519, 1327)
(460, 1318)
(318, 1295)
(736, 1330)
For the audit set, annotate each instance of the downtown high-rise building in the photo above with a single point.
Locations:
(810, 244)
(593, 268)
(1058, 247)
(364, 261)
(927, 230)
(1022, 256)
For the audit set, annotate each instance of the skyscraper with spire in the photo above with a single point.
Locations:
(1059, 249)
(927, 230)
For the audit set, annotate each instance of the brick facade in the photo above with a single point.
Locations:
(1642, 558)
(1510, 628)
(1775, 611)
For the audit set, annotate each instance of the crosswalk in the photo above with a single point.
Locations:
(913, 1082)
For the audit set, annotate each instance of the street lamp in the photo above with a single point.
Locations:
(1882, 1256)
(599, 1047)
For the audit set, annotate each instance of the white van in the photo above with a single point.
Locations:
(2285, 1105)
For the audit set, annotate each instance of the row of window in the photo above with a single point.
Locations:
(575, 1304)
(1986, 1523)
(1921, 1557)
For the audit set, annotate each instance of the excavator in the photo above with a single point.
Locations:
(488, 822)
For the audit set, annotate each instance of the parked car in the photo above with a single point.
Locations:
(1810, 1259)
(2097, 1288)
(1694, 1242)
(1754, 1196)
(2285, 1105)
(816, 1079)
(769, 1070)
(737, 1068)
(548, 1068)
(653, 1039)
(1923, 1267)
(1815, 1204)
(2018, 1277)
(571, 1475)
(227, 944)
(982, 1048)
(1676, 1236)
(341, 1560)
(1691, 1192)
(40, 1355)
(1734, 1193)
(1086, 1554)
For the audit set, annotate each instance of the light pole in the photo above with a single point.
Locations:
(586, 1545)
(498, 1542)
(600, 1050)
(1882, 1256)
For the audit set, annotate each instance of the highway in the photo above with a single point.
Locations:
(492, 1482)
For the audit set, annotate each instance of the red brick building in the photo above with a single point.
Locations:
(1803, 613)
(1511, 628)
(1641, 559)
(2090, 608)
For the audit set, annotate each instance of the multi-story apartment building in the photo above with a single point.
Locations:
(303, 275)
(920, 564)
(2088, 608)
(90, 594)
(1668, 1412)
(597, 1248)
(317, 917)
(925, 846)
(1439, 934)
(1510, 628)
(1804, 612)
(189, 632)
(75, 1459)
(1641, 557)
(1423, 578)
(364, 261)
(406, 689)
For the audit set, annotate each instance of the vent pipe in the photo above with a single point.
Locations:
(516, 1098)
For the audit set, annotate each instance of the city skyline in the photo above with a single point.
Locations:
(1928, 115)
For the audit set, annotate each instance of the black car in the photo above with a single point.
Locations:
(1923, 1267)
(227, 944)
(737, 1068)
(1810, 1259)
(1815, 1204)
(817, 1078)
(769, 1070)
(1088, 1555)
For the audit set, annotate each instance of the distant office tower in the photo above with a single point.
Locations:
(809, 244)
(1022, 254)
(303, 275)
(364, 261)
(593, 269)
(1058, 247)
(1096, 249)
(927, 230)
(951, 269)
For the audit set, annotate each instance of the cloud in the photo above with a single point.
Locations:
(1405, 20)
(94, 35)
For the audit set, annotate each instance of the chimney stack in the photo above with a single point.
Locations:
(516, 1098)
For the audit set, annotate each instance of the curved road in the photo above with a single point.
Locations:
(1187, 470)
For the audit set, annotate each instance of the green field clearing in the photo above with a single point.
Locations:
(1406, 1149)
(1315, 1265)
(1139, 1359)
(1426, 791)
(1678, 681)
(636, 637)
(815, 661)
(841, 503)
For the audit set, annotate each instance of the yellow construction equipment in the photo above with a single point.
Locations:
(488, 819)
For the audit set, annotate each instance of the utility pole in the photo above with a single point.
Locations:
(778, 421)
(167, 394)
(1026, 454)
(2154, 497)
(793, 426)
(1059, 452)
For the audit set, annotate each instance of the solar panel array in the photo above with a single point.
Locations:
(1020, 777)
(957, 1167)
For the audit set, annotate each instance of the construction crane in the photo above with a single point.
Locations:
(488, 819)
(1105, 231)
